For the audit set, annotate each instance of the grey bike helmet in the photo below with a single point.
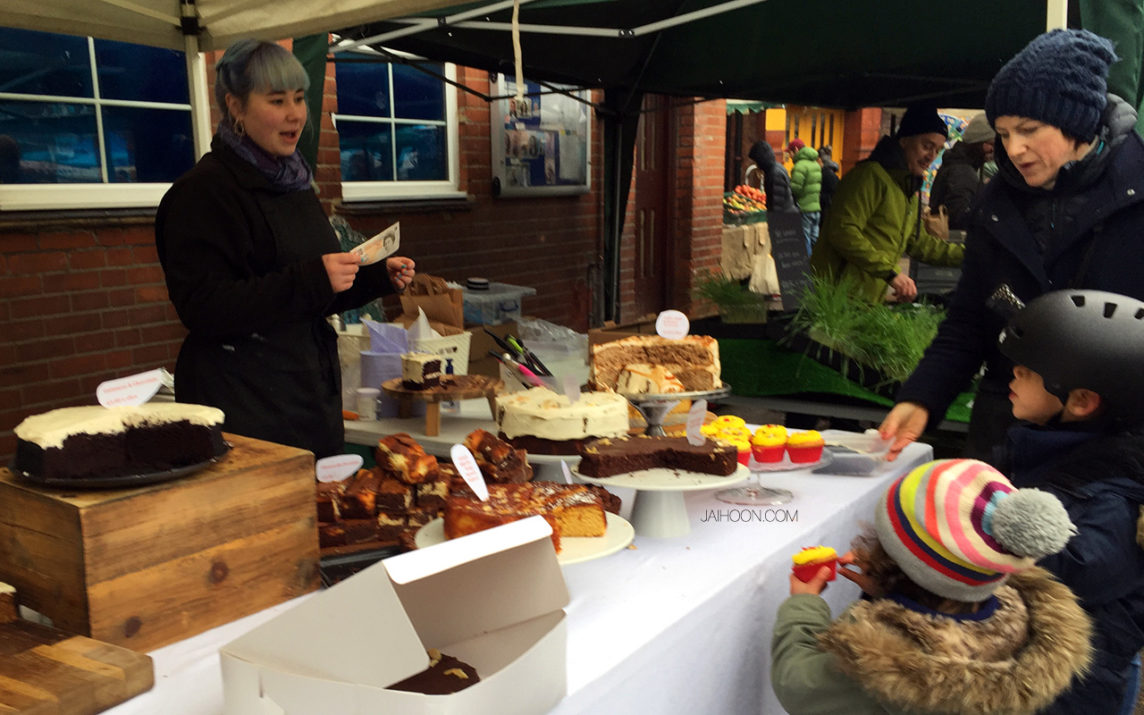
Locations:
(1083, 338)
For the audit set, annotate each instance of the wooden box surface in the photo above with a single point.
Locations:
(148, 566)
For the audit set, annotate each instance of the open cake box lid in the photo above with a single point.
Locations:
(373, 628)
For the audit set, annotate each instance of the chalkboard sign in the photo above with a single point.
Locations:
(788, 247)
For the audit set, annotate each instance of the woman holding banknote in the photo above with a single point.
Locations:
(253, 266)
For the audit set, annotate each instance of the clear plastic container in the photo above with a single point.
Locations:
(499, 304)
(856, 453)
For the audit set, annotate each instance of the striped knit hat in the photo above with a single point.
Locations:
(958, 527)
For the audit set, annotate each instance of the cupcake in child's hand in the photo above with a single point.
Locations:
(808, 561)
(768, 443)
(805, 447)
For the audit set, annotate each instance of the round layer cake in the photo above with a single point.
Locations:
(541, 421)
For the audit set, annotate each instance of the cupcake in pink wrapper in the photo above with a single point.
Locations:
(812, 558)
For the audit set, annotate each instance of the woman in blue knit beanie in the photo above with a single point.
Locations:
(1066, 210)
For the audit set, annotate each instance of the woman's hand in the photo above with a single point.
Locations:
(401, 271)
(904, 424)
(864, 582)
(814, 587)
(342, 268)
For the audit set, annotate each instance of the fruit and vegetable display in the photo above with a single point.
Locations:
(743, 204)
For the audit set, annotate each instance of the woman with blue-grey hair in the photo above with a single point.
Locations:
(253, 266)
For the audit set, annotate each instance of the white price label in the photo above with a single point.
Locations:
(338, 467)
(465, 463)
(131, 390)
(695, 418)
(672, 324)
(571, 387)
(567, 472)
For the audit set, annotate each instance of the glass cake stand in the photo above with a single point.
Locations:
(654, 408)
(753, 493)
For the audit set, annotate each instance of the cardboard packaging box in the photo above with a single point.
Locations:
(493, 599)
(148, 566)
(611, 331)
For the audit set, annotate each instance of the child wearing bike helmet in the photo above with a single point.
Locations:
(1078, 389)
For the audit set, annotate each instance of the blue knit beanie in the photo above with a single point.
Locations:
(1060, 78)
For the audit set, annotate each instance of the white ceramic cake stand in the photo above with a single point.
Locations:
(654, 408)
(658, 509)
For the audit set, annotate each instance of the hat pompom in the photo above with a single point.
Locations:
(1032, 523)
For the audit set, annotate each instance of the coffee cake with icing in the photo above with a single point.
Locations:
(694, 360)
(544, 422)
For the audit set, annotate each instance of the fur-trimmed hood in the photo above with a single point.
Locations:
(1015, 661)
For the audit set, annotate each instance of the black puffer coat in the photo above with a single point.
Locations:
(776, 180)
(1087, 232)
(957, 183)
(243, 264)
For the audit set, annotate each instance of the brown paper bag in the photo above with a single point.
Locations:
(442, 305)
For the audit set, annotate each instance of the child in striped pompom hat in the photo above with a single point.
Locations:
(956, 618)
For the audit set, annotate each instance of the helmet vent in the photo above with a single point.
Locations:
(1139, 313)
(1078, 300)
(1109, 309)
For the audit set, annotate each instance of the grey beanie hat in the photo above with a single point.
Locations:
(1060, 78)
(978, 130)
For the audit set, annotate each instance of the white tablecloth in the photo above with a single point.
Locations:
(680, 625)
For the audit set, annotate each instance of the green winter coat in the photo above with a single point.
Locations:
(806, 180)
(873, 221)
(882, 656)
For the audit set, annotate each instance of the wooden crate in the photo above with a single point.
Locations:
(152, 565)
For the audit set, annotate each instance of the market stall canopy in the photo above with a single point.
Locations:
(825, 53)
(216, 23)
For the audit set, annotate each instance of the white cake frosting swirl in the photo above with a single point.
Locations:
(540, 412)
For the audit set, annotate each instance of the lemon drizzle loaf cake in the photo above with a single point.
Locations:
(94, 441)
(694, 360)
(608, 457)
(571, 509)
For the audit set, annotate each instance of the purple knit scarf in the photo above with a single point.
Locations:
(291, 173)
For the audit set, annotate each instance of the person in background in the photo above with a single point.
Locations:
(253, 266)
(875, 217)
(776, 181)
(1066, 210)
(956, 618)
(961, 175)
(1078, 391)
(805, 186)
(829, 177)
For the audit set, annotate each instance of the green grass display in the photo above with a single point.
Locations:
(887, 338)
(736, 304)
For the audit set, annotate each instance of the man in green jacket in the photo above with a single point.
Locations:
(806, 185)
(875, 216)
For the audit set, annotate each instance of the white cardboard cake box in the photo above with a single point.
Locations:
(493, 599)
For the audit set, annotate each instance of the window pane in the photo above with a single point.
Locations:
(44, 63)
(147, 145)
(418, 95)
(421, 153)
(56, 142)
(366, 151)
(363, 88)
(141, 73)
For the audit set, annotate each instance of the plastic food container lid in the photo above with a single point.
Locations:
(856, 453)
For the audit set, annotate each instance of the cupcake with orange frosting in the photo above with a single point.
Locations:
(805, 447)
(812, 558)
(768, 443)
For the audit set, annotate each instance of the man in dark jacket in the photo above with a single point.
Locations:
(776, 181)
(829, 177)
(961, 174)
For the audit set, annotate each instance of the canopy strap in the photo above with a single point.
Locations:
(516, 55)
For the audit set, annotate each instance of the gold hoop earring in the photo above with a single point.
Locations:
(239, 127)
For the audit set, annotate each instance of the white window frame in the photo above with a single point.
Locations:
(46, 197)
(361, 191)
